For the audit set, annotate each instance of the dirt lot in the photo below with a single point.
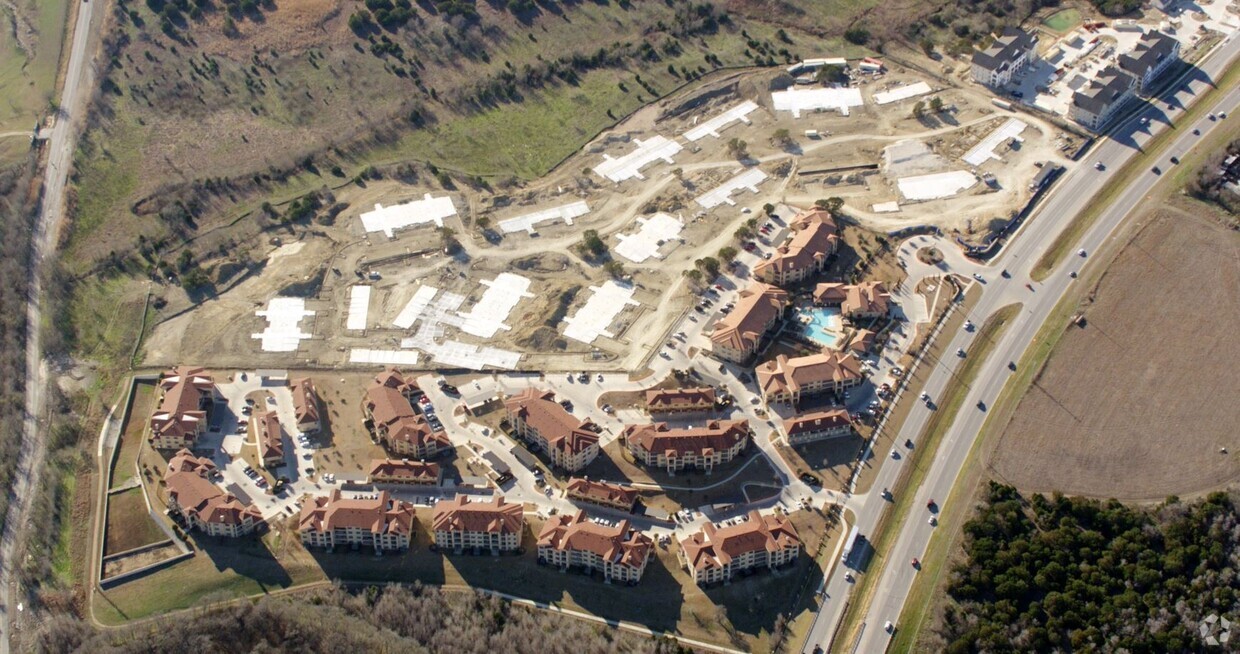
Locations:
(129, 523)
(1137, 404)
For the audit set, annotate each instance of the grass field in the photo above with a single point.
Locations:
(28, 77)
(218, 570)
(1063, 20)
(131, 434)
(129, 523)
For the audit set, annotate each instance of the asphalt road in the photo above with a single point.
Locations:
(1072, 195)
(79, 80)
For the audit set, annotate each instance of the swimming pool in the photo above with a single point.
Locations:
(821, 325)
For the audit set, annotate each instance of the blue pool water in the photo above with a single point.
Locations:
(822, 326)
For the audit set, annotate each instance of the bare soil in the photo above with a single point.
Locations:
(1137, 404)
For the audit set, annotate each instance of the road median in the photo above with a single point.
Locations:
(926, 447)
(1064, 241)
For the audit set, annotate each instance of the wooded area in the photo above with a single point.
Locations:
(393, 619)
(1067, 574)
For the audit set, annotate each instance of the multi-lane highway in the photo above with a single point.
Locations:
(1073, 195)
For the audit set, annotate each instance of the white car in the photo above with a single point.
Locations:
(925, 397)
(891, 629)
(1081, 252)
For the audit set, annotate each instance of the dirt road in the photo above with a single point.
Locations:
(79, 80)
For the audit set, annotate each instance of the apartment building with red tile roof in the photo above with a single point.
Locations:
(462, 525)
(270, 439)
(536, 417)
(404, 471)
(659, 446)
(185, 461)
(862, 342)
(717, 554)
(616, 549)
(601, 493)
(680, 401)
(805, 254)
(202, 505)
(788, 380)
(377, 521)
(395, 425)
(737, 336)
(856, 301)
(306, 405)
(180, 417)
(817, 425)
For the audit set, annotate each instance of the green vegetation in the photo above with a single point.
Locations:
(1074, 574)
(1116, 7)
(1063, 20)
(592, 244)
(28, 66)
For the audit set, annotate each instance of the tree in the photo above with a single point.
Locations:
(727, 253)
(709, 266)
(591, 243)
(927, 46)
(614, 268)
(782, 138)
(483, 222)
(829, 74)
(832, 204)
(919, 109)
(738, 149)
(694, 275)
(768, 209)
(936, 104)
(447, 238)
(857, 35)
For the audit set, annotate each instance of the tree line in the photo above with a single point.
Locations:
(1046, 574)
(392, 619)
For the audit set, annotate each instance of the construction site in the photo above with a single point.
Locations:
(587, 267)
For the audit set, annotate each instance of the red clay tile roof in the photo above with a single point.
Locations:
(600, 491)
(716, 547)
(758, 305)
(676, 398)
(185, 461)
(539, 410)
(784, 374)
(814, 241)
(387, 406)
(270, 442)
(496, 516)
(204, 500)
(619, 544)
(716, 435)
(305, 400)
(179, 415)
(417, 432)
(404, 470)
(816, 421)
(381, 514)
(866, 297)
